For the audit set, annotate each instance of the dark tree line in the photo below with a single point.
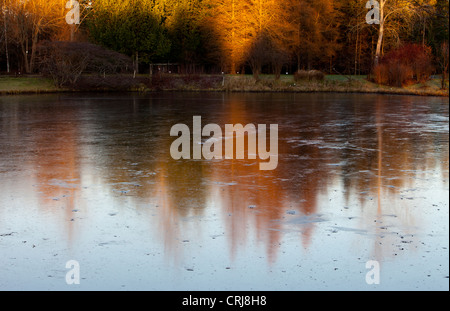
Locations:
(231, 36)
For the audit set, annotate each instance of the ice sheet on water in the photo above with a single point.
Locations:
(306, 219)
(72, 183)
(337, 229)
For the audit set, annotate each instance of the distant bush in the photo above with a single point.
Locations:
(116, 82)
(162, 81)
(409, 63)
(316, 75)
(301, 75)
(309, 75)
(65, 62)
(443, 62)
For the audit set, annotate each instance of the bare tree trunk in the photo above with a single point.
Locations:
(136, 65)
(380, 34)
(359, 57)
(356, 49)
(137, 62)
(33, 47)
(233, 67)
(6, 42)
(28, 55)
(233, 39)
(423, 31)
(24, 46)
(444, 62)
(331, 65)
(72, 32)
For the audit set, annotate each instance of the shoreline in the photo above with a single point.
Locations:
(35, 85)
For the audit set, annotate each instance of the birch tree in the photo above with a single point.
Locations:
(395, 15)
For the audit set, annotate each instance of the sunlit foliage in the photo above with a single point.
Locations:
(329, 35)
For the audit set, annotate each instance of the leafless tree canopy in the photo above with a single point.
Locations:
(65, 62)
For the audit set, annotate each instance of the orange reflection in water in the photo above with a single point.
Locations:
(254, 202)
(383, 158)
(57, 170)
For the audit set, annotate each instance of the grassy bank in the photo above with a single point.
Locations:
(332, 83)
(228, 83)
(21, 85)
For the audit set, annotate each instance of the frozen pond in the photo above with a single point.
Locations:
(90, 178)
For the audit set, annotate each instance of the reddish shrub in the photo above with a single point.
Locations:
(399, 74)
(380, 74)
(409, 63)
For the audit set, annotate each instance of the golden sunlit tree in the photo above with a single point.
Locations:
(239, 26)
(31, 21)
(266, 22)
(309, 29)
(264, 16)
(228, 18)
